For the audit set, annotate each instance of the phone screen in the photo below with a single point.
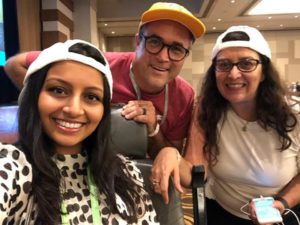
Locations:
(265, 212)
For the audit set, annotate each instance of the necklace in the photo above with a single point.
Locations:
(94, 203)
(138, 95)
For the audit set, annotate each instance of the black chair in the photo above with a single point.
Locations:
(131, 139)
(199, 208)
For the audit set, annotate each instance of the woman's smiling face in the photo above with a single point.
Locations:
(236, 86)
(71, 104)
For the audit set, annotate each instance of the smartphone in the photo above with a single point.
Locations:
(265, 213)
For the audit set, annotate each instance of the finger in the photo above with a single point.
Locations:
(133, 111)
(176, 180)
(130, 104)
(164, 188)
(141, 111)
(148, 116)
(144, 111)
(278, 205)
(126, 109)
(155, 185)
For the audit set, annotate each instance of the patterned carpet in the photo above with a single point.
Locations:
(187, 205)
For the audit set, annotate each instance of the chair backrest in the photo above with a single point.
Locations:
(128, 136)
(132, 140)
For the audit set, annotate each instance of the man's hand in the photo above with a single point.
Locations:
(141, 111)
(16, 69)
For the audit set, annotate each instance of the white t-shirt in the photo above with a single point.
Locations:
(250, 164)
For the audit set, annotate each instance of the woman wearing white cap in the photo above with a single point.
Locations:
(61, 171)
(244, 132)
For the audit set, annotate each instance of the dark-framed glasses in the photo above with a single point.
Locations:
(244, 65)
(154, 45)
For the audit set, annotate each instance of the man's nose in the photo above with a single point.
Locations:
(164, 54)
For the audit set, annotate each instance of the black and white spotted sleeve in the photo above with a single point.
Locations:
(15, 184)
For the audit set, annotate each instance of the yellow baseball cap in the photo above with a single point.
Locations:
(174, 12)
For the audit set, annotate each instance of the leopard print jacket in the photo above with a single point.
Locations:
(15, 190)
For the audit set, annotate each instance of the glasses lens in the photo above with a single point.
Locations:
(223, 66)
(153, 44)
(247, 65)
(177, 52)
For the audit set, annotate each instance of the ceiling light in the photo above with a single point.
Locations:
(219, 19)
(113, 32)
(275, 7)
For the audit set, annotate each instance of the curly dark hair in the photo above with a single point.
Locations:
(107, 169)
(272, 109)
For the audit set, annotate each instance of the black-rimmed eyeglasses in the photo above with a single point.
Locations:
(154, 45)
(244, 65)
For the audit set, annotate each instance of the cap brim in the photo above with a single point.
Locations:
(190, 22)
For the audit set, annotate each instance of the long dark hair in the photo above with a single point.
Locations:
(272, 109)
(108, 170)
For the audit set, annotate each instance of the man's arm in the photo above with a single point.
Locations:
(16, 69)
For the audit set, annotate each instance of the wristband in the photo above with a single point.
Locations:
(155, 132)
(283, 201)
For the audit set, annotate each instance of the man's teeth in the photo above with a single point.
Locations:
(159, 68)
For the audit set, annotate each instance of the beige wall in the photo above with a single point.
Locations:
(285, 46)
(120, 44)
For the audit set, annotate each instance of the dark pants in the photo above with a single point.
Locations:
(216, 215)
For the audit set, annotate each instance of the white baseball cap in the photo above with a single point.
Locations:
(255, 41)
(60, 52)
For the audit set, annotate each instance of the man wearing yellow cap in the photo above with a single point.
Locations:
(147, 80)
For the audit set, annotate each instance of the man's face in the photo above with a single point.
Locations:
(153, 71)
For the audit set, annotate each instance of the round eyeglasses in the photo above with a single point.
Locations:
(154, 45)
(244, 65)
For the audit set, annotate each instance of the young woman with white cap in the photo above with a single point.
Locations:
(61, 170)
(243, 131)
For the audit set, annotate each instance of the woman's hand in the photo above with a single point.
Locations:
(166, 164)
(252, 213)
